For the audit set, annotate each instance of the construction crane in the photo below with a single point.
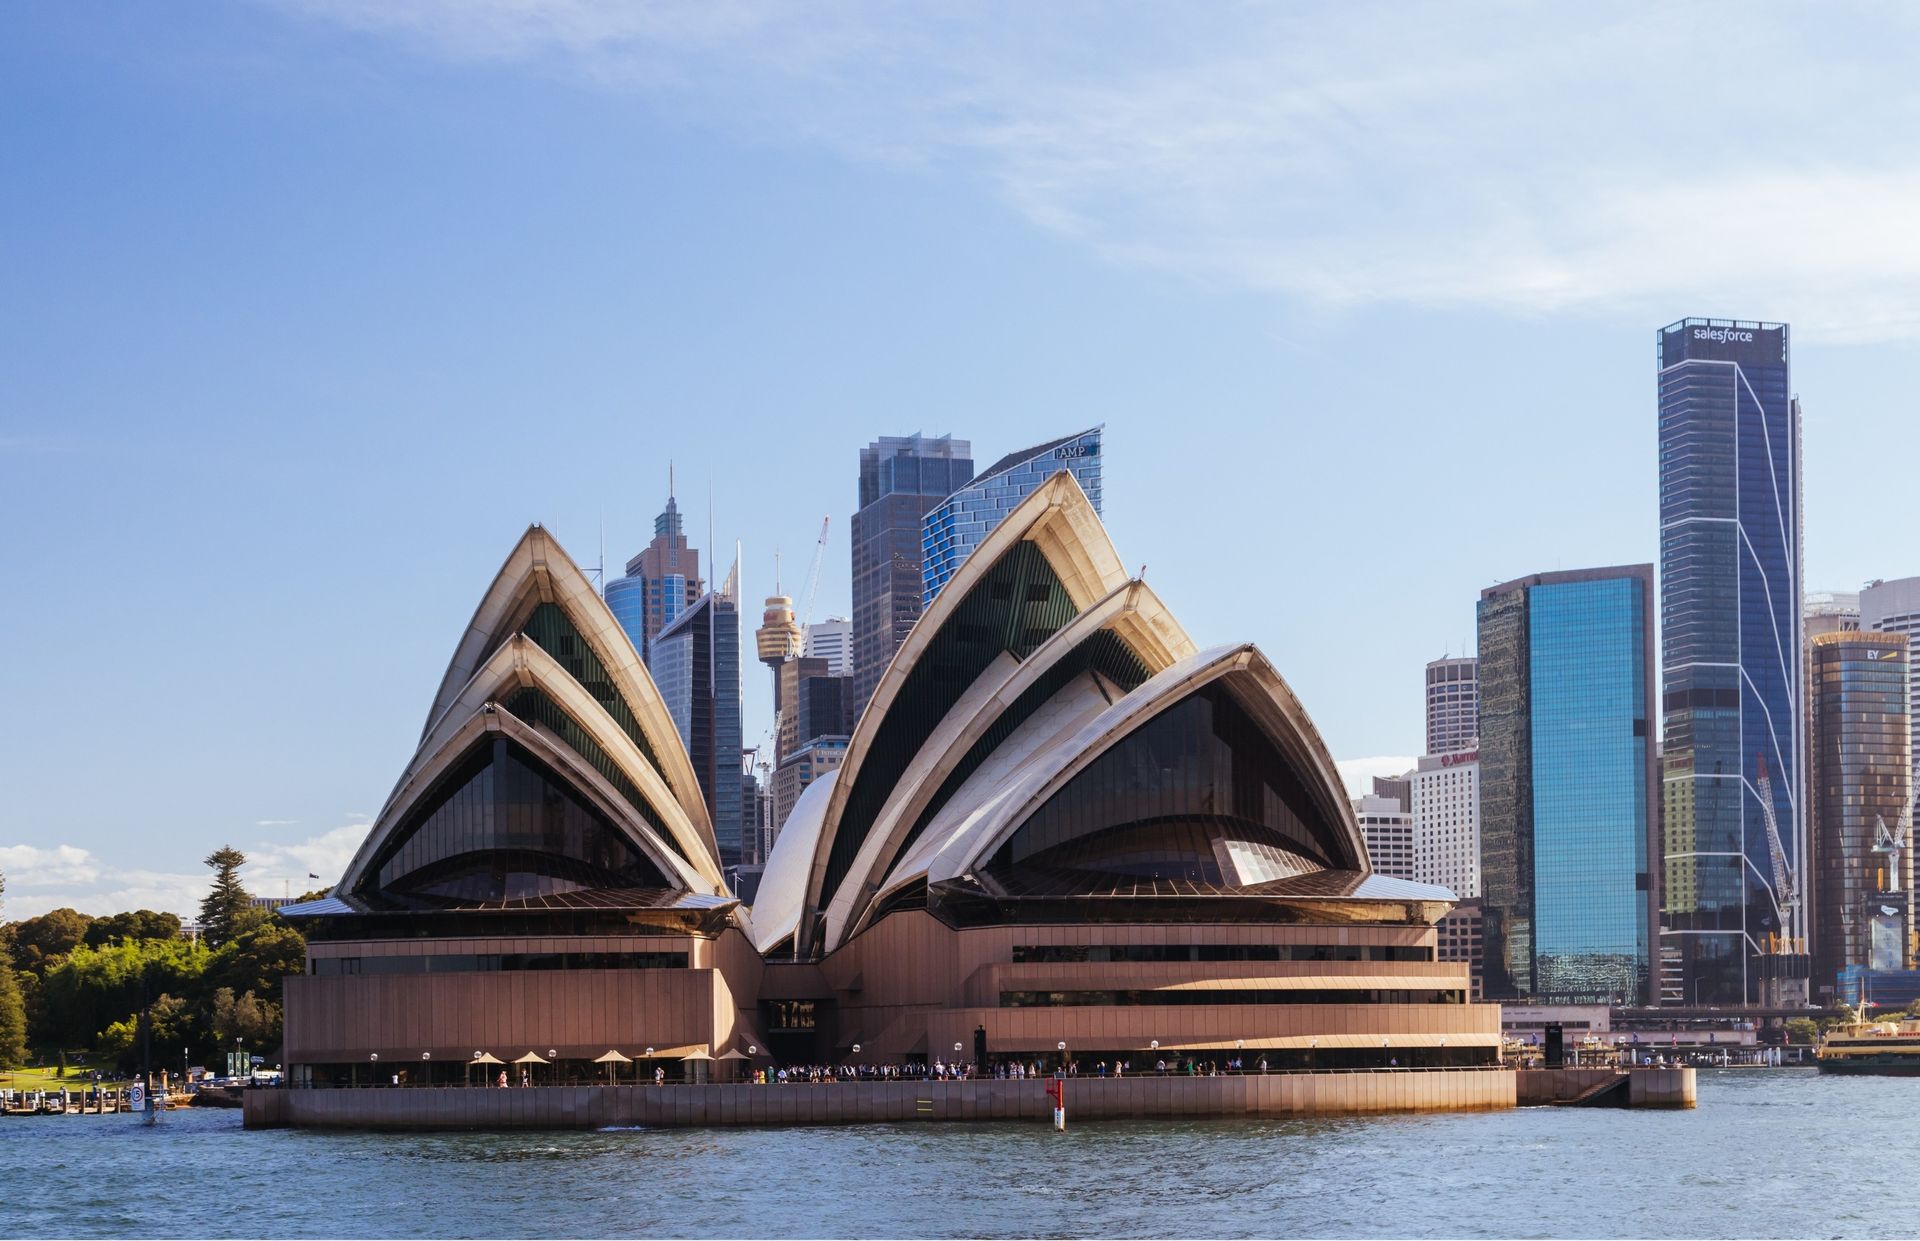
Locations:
(1892, 844)
(1786, 888)
(813, 574)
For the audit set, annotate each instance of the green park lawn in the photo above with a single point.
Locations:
(47, 1079)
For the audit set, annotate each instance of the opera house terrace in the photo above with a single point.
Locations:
(1063, 834)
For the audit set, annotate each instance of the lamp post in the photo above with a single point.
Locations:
(1313, 1045)
(1153, 1046)
(956, 1060)
(1061, 1047)
(649, 1057)
(426, 1067)
(373, 1068)
(553, 1068)
(1239, 1045)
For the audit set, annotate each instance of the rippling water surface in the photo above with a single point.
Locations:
(1780, 1153)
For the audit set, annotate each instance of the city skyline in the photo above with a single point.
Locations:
(296, 337)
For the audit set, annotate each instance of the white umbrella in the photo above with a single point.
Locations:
(532, 1057)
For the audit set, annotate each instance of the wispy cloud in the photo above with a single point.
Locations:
(39, 879)
(1358, 773)
(1652, 159)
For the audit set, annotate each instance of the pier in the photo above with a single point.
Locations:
(851, 1103)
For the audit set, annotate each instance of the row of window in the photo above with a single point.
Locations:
(1074, 954)
(1157, 999)
(490, 962)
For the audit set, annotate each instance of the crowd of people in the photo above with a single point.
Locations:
(1002, 1070)
(912, 1071)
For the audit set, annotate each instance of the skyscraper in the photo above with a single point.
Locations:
(901, 477)
(813, 703)
(830, 640)
(808, 762)
(1860, 783)
(1453, 704)
(1731, 624)
(661, 582)
(1568, 785)
(1894, 607)
(696, 664)
(955, 526)
(1388, 830)
(1445, 804)
(1832, 611)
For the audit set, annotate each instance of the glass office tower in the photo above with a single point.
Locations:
(661, 582)
(955, 526)
(1731, 624)
(1859, 787)
(1568, 785)
(901, 477)
(696, 665)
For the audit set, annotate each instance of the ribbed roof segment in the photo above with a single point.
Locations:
(544, 665)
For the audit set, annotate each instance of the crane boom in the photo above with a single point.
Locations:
(1783, 877)
(813, 573)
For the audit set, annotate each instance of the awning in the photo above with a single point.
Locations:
(683, 1052)
(1307, 1042)
(733, 1055)
(487, 1057)
(1321, 982)
(532, 1057)
(613, 1057)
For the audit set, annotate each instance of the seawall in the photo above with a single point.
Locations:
(1607, 1087)
(852, 1103)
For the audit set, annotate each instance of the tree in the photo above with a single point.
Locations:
(253, 1021)
(13, 1018)
(259, 959)
(13, 1009)
(1802, 1030)
(141, 924)
(228, 903)
(41, 943)
(95, 987)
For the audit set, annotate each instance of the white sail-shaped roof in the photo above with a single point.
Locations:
(1000, 807)
(1132, 615)
(539, 571)
(607, 738)
(1046, 562)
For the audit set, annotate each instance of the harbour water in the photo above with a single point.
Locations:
(1767, 1153)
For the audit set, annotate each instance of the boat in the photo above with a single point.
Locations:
(1885, 1048)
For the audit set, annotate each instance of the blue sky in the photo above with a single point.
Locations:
(309, 308)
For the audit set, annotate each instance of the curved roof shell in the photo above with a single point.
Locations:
(1039, 657)
(543, 664)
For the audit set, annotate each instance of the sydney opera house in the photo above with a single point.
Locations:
(1059, 821)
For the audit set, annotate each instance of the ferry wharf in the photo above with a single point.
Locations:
(1330, 1093)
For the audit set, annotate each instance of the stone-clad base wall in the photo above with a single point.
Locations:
(1645, 1087)
(592, 1107)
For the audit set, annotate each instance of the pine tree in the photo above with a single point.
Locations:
(13, 1010)
(223, 909)
(13, 1018)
